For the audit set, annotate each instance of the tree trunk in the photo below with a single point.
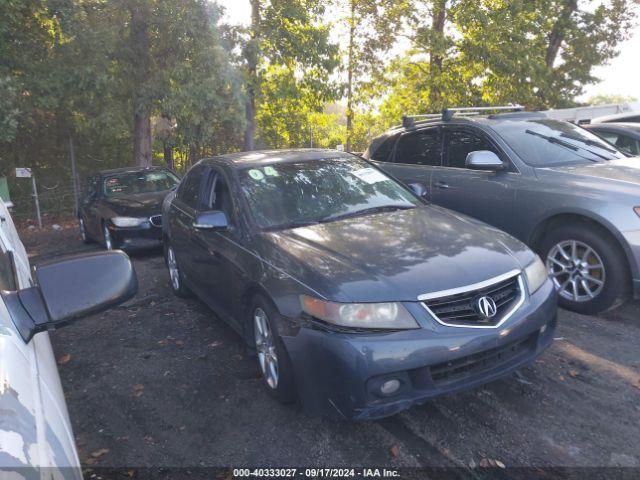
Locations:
(141, 61)
(142, 139)
(252, 55)
(556, 37)
(350, 68)
(436, 50)
(168, 156)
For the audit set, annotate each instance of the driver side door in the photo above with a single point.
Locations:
(486, 195)
(217, 255)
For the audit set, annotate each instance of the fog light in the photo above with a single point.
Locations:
(390, 387)
(543, 328)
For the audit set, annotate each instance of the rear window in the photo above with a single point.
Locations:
(132, 183)
(382, 153)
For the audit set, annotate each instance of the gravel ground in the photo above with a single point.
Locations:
(162, 382)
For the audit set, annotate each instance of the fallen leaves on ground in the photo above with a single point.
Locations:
(64, 359)
(100, 452)
(138, 388)
(490, 462)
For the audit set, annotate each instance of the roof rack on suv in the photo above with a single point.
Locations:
(408, 121)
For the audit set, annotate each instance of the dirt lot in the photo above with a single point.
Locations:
(161, 381)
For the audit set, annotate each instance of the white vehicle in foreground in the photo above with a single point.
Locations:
(36, 440)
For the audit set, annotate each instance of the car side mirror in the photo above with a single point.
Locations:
(211, 220)
(419, 189)
(71, 288)
(484, 160)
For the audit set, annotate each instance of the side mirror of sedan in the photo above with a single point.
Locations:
(211, 220)
(71, 288)
(419, 189)
(484, 160)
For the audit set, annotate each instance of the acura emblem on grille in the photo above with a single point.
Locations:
(486, 307)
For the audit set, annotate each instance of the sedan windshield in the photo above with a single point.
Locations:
(132, 183)
(288, 195)
(547, 143)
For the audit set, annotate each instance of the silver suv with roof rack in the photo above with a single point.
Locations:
(554, 185)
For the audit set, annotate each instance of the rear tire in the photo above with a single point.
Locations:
(587, 267)
(176, 280)
(273, 359)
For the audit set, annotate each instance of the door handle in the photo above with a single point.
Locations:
(442, 185)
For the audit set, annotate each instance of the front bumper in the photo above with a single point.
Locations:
(339, 374)
(143, 236)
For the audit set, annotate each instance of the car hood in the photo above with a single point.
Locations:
(393, 256)
(619, 170)
(143, 204)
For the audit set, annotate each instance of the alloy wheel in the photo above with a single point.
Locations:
(108, 241)
(174, 273)
(577, 270)
(266, 347)
(83, 231)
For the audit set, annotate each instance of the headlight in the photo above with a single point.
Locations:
(128, 221)
(536, 274)
(390, 315)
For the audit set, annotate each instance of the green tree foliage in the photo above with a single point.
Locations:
(71, 69)
(372, 27)
(286, 50)
(539, 53)
(603, 99)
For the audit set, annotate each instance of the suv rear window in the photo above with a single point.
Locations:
(381, 154)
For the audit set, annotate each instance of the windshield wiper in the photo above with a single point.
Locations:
(366, 211)
(556, 140)
(559, 141)
(589, 142)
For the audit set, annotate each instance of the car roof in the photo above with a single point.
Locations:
(243, 160)
(460, 120)
(129, 170)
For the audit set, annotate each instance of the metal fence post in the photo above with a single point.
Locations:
(74, 174)
(35, 196)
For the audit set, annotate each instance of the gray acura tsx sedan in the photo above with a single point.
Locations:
(358, 298)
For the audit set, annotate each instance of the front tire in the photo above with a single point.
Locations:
(273, 359)
(83, 231)
(587, 268)
(107, 240)
(176, 280)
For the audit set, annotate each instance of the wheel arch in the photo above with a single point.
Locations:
(251, 290)
(563, 218)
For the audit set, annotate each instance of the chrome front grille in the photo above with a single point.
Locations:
(156, 220)
(460, 307)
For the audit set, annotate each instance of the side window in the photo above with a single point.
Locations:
(463, 142)
(7, 271)
(610, 137)
(189, 189)
(217, 195)
(627, 145)
(382, 153)
(420, 148)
